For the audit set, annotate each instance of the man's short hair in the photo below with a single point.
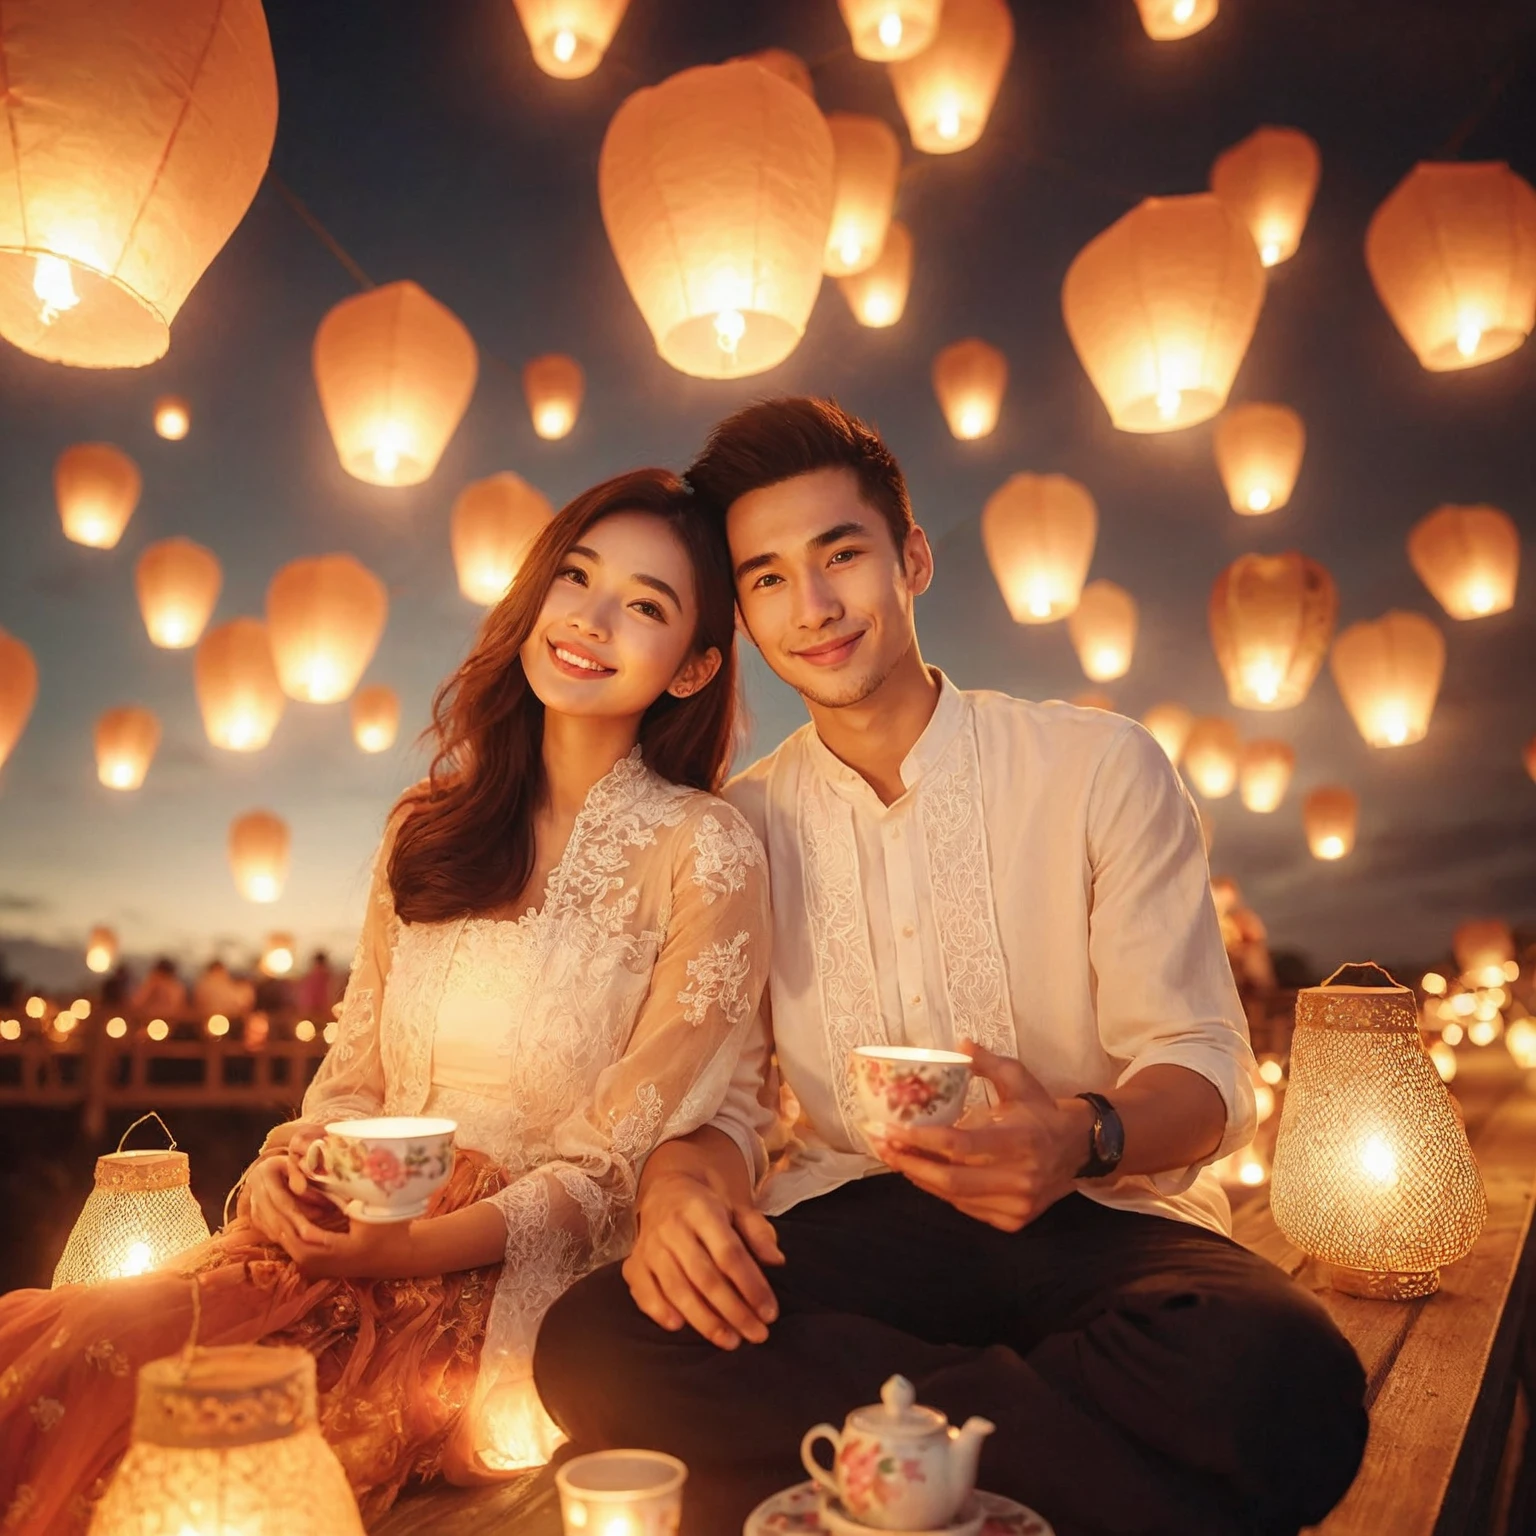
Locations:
(774, 440)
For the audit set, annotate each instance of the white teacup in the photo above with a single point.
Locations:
(908, 1085)
(382, 1170)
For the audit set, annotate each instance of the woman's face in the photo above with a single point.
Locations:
(617, 627)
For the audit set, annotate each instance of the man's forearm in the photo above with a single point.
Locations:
(708, 1155)
(1172, 1117)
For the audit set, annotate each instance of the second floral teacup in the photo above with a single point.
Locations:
(382, 1170)
(908, 1085)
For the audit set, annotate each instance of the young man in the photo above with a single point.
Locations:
(1027, 881)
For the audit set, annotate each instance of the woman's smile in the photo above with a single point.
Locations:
(575, 661)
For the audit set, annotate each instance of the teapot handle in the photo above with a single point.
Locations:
(823, 1477)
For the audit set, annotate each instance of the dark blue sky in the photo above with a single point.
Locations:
(431, 146)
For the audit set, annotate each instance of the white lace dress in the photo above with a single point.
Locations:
(566, 1044)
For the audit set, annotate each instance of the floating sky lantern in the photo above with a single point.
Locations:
(134, 149)
(258, 854)
(325, 617)
(1468, 557)
(1161, 307)
(18, 691)
(1170, 725)
(1103, 630)
(570, 37)
(946, 91)
(1039, 532)
(277, 955)
(101, 950)
(787, 66)
(126, 740)
(1258, 452)
(178, 584)
(884, 30)
(173, 418)
(494, 522)
(1270, 178)
(1388, 672)
(1169, 20)
(375, 717)
(1331, 816)
(97, 487)
(553, 385)
(395, 370)
(1452, 252)
(970, 378)
(1264, 774)
(1483, 947)
(866, 168)
(237, 687)
(878, 295)
(1271, 619)
(1210, 756)
(716, 189)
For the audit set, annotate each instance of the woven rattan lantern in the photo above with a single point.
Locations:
(375, 717)
(1388, 672)
(1169, 20)
(258, 854)
(1170, 725)
(173, 418)
(1270, 178)
(570, 37)
(890, 29)
(1210, 756)
(97, 487)
(946, 92)
(1103, 630)
(325, 617)
(1452, 252)
(1483, 947)
(1039, 532)
(178, 584)
(1373, 1174)
(866, 168)
(126, 740)
(237, 688)
(136, 139)
(101, 951)
(878, 295)
(18, 691)
(553, 385)
(970, 377)
(226, 1442)
(395, 370)
(1331, 816)
(716, 189)
(1258, 452)
(1264, 771)
(1161, 308)
(1271, 619)
(494, 522)
(1468, 557)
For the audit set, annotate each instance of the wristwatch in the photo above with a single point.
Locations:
(1106, 1140)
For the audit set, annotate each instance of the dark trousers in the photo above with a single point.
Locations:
(1145, 1376)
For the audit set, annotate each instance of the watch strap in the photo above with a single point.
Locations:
(1106, 1138)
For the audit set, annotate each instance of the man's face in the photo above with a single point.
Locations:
(821, 587)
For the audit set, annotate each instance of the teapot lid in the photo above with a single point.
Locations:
(898, 1413)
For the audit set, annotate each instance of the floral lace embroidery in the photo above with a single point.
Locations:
(46, 1413)
(723, 855)
(718, 978)
(20, 1507)
(635, 1134)
(104, 1355)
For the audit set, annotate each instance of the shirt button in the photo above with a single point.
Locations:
(908, 931)
(917, 999)
(894, 833)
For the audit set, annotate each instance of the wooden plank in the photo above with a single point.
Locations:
(528, 1506)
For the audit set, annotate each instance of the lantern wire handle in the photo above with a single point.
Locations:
(1361, 965)
(140, 1121)
(189, 1349)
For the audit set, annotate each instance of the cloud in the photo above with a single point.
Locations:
(11, 902)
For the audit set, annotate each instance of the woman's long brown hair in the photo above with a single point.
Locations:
(467, 844)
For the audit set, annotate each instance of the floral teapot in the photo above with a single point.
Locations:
(898, 1466)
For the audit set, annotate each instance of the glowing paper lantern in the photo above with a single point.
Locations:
(375, 717)
(1103, 630)
(1161, 307)
(101, 951)
(139, 1214)
(1373, 1174)
(570, 37)
(126, 740)
(1258, 452)
(18, 690)
(1039, 532)
(395, 370)
(1468, 557)
(325, 617)
(946, 91)
(278, 953)
(1264, 774)
(173, 418)
(494, 522)
(258, 854)
(553, 385)
(878, 295)
(1210, 756)
(787, 66)
(1270, 178)
(1271, 619)
(890, 29)
(97, 487)
(1331, 816)
(178, 584)
(1388, 673)
(1482, 948)
(1169, 20)
(1170, 725)
(135, 143)
(866, 167)
(716, 188)
(237, 688)
(970, 377)
(1530, 753)
(1452, 252)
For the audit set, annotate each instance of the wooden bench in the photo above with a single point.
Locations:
(1452, 1450)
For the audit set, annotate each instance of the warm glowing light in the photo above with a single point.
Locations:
(1511, 970)
(947, 123)
(1463, 1004)
(1211, 756)
(99, 959)
(325, 617)
(1433, 984)
(1453, 1033)
(138, 1260)
(53, 282)
(1331, 847)
(1270, 179)
(1486, 1007)
(730, 327)
(36, 1007)
(1467, 339)
(1264, 1101)
(157, 1029)
(878, 295)
(1444, 1058)
(890, 29)
(1520, 1042)
(117, 1027)
(494, 522)
(10, 1029)
(1103, 630)
(328, 1034)
(1039, 532)
(258, 855)
(1468, 557)
(97, 488)
(1272, 1070)
(81, 1007)
(218, 1025)
(1378, 1160)
(304, 1030)
(1483, 1031)
(173, 418)
(1388, 671)
(564, 45)
(1169, 724)
(65, 1023)
(1259, 446)
(277, 958)
(866, 171)
(1269, 254)
(1251, 1171)
(946, 92)
(375, 717)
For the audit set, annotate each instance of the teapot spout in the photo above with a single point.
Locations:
(965, 1453)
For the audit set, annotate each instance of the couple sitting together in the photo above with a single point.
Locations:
(665, 1227)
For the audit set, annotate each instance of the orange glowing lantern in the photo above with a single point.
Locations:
(970, 377)
(126, 740)
(1270, 178)
(375, 717)
(1468, 557)
(173, 418)
(1169, 20)
(278, 953)
(97, 487)
(1388, 673)
(570, 37)
(178, 583)
(1039, 532)
(1170, 725)
(1258, 452)
(866, 168)
(395, 370)
(258, 854)
(135, 143)
(1103, 630)
(716, 189)
(1271, 619)
(18, 691)
(237, 688)
(494, 522)
(1331, 816)
(787, 66)
(1210, 756)
(101, 951)
(1530, 754)
(884, 30)
(553, 385)
(1161, 307)
(325, 617)
(878, 295)
(1482, 948)
(946, 91)
(1264, 774)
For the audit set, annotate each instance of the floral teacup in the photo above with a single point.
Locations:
(908, 1085)
(382, 1170)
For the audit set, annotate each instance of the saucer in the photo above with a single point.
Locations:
(372, 1216)
(839, 1522)
(798, 1511)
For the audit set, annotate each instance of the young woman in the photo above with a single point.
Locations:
(566, 937)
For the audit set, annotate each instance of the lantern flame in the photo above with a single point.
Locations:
(890, 29)
(730, 327)
(1269, 253)
(564, 45)
(1260, 498)
(850, 250)
(1168, 399)
(947, 123)
(1331, 847)
(138, 1260)
(1182, 11)
(1379, 1161)
(1468, 338)
(54, 284)
(98, 958)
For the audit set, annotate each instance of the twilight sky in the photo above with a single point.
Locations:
(428, 142)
